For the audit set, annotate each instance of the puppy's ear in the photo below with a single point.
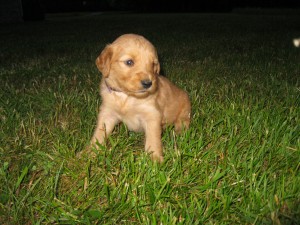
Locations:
(104, 60)
(156, 67)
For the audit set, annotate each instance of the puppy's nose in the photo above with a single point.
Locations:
(146, 83)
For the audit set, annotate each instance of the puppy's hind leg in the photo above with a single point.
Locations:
(183, 120)
(181, 126)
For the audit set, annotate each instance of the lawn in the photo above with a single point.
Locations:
(239, 163)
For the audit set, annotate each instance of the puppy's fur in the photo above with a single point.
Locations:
(133, 92)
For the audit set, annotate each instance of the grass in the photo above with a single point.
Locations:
(237, 164)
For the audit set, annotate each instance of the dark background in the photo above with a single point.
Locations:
(35, 9)
(160, 5)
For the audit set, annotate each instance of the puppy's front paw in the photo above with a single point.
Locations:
(157, 157)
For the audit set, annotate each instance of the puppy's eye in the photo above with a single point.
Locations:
(129, 62)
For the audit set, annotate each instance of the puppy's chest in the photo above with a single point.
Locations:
(131, 111)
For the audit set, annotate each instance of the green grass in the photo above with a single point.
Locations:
(239, 163)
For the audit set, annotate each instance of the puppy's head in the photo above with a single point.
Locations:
(130, 65)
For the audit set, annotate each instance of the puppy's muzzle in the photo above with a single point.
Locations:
(146, 83)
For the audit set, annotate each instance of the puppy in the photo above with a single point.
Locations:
(134, 93)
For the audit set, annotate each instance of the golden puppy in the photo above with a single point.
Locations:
(133, 92)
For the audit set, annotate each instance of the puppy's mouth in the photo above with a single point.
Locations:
(136, 92)
(146, 88)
